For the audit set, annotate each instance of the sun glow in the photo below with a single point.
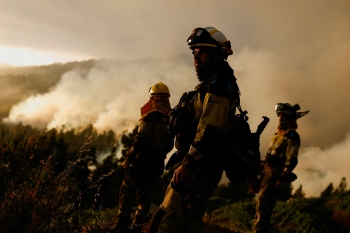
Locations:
(28, 57)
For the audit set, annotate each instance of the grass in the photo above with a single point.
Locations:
(307, 215)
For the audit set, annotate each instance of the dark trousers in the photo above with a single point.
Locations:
(267, 199)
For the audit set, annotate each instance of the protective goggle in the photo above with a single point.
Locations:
(201, 36)
(285, 107)
(285, 110)
(281, 107)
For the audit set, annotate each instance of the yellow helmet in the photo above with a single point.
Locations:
(159, 89)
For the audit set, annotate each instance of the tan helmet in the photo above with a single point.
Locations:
(159, 89)
(209, 37)
(289, 109)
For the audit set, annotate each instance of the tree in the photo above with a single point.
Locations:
(342, 186)
(328, 191)
(299, 194)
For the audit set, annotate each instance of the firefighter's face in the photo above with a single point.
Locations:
(201, 57)
(284, 119)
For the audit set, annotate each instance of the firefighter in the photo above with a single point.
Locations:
(280, 161)
(205, 117)
(144, 162)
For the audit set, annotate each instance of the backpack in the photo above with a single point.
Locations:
(243, 162)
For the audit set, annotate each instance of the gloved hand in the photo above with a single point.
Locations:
(129, 158)
(287, 176)
(125, 164)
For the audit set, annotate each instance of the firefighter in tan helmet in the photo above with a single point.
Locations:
(144, 162)
(280, 161)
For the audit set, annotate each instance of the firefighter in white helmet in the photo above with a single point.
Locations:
(144, 162)
(201, 127)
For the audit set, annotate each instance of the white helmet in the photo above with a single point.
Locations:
(209, 37)
(159, 89)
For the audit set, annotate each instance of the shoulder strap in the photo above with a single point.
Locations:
(243, 113)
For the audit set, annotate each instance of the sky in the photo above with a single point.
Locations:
(284, 51)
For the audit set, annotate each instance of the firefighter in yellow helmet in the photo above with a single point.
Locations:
(280, 161)
(144, 162)
(204, 117)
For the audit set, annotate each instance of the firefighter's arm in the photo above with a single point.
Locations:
(292, 153)
(139, 144)
(291, 159)
(142, 138)
(213, 123)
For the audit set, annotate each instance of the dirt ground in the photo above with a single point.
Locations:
(208, 228)
(216, 229)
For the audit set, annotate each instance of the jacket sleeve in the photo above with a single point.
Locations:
(292, 150)
(141, 142)
(152, 134)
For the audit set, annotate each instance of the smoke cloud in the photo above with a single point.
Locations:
(109, 96)
(318, 168)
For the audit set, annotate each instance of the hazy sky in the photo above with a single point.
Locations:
(284, 51)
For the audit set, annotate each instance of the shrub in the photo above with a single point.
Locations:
(46, 195)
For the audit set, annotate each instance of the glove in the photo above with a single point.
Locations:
(125, 164)
(129, 158)
(287, 176)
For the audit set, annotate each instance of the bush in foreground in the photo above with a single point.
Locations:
(46, 195)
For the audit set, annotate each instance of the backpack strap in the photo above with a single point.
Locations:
(242, 113)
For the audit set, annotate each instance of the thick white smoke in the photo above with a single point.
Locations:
(318, 167)
(109, 96)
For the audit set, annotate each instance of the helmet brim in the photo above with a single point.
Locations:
(203, 45)
(301, 114)
(159, 94)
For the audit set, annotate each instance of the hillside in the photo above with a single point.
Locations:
(22, 82)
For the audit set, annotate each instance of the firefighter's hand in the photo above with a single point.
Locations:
(125, 164)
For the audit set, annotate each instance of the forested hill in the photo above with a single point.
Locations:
(20, 82)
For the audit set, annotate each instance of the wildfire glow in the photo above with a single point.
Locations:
(28, 57)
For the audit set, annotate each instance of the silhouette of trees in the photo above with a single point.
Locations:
(328, 191)
(299, 194)
(342, 186)
(331, 191)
